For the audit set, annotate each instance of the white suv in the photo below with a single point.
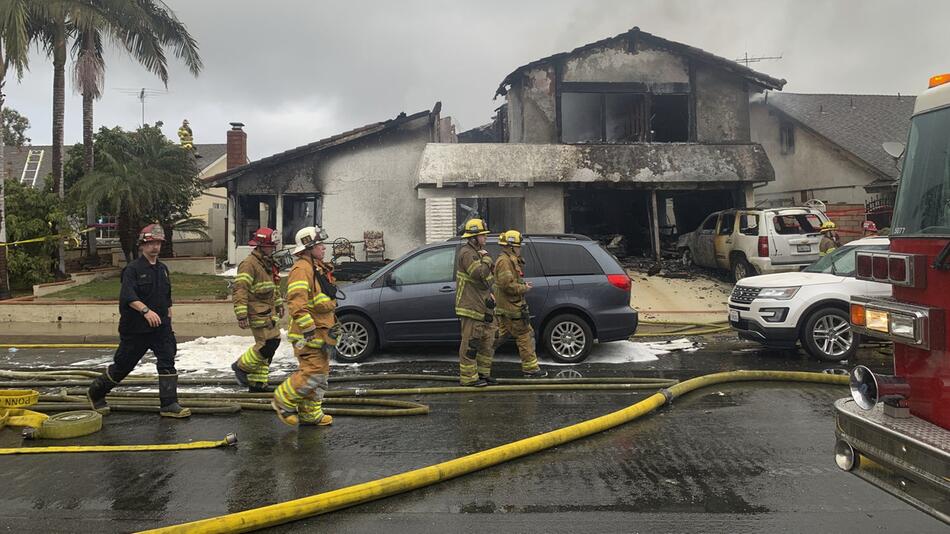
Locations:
(750, 241)
(779, 310)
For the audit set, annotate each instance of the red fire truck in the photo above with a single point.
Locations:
(895, 430)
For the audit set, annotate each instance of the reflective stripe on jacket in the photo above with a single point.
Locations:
(309, 307)
(255, 293)
(509, 285)
(473, 287)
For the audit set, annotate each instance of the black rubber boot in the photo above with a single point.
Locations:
(260, 387)
(480, 383)
(540, 373)
(240, 375)
(97, 392)
(168, 398)
(491, 381)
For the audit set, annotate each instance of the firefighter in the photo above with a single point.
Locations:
(145, 322)
(870, 229)
(511, 309)
(185, 136)
(311, 299)
(258, 306)
(829, 238)
(473, 305)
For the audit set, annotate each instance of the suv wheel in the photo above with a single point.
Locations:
(827, 335)
(568, 338)
(357, 339)
(741, 268)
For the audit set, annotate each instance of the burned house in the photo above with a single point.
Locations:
(633, 135)
(358, 181)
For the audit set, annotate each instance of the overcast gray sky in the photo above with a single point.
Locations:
(295, 71)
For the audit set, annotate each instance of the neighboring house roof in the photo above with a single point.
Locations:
(858, 124)
(15, 163)
(282, 157)
(482, 134)
(634, 34)
(210, 154)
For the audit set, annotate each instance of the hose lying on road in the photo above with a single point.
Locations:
(322, 503)
(228, 440)
(685, 328)
(231, 402)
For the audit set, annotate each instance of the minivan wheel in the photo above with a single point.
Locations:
(740, 268)
(357, 339)
(827, 335)
(568, 338)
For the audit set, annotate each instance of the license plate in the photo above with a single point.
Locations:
(804, 248)
(734, 316)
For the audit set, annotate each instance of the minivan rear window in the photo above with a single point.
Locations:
(566, 259)
(805, 223)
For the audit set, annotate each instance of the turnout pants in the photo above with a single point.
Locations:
(131, 349)
(256, 360)
(475, 351)
(524, 338)
(303, 391)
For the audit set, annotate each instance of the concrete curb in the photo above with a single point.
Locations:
(71, 339)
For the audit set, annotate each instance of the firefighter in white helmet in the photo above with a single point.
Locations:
(311, 299)
(258, 306)
(511, 309)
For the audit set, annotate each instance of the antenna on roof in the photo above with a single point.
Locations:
(142, 94)
(745, 60)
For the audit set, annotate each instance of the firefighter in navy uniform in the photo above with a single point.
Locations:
(258, 306)
(511, 309)
(473, 306)
(311, 299)
(145, 322)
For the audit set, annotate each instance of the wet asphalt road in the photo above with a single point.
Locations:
(734, 458)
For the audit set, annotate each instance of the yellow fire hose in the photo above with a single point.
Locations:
(685, 328)
(322, 503)
(228, 440)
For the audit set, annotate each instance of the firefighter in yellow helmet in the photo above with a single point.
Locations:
(311, 299)
(829, 238)
(258, 306)
(511, 309)
(185, 136)
(473, 306)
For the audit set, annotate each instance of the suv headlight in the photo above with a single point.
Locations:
(778, 293)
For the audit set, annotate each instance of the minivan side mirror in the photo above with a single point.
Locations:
(894, 149)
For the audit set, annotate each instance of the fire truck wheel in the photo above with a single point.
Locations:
(827, 335)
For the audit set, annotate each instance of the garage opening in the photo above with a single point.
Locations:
(690, 208)
(618, 218)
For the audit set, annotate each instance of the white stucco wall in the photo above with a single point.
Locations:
(544, 209)
(816, 167)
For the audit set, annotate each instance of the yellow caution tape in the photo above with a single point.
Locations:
(46, 238)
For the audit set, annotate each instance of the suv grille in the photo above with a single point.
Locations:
(744, 295)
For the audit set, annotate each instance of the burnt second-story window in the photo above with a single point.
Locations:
(786, 137)
(606, 113)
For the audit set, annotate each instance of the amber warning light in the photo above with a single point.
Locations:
(939, 79)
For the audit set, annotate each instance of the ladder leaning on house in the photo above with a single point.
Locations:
(32, 167)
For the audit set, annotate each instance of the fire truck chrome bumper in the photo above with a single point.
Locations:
(909, 458)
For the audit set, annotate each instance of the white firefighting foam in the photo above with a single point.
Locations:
(212, 356)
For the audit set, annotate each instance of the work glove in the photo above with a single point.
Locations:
(335, 332)
(307, 336)
(243, 322)
(490, 304)
(489, 317)
(280, 311)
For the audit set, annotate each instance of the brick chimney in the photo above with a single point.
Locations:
(237, 145)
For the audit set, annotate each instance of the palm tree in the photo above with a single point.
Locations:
(14, 49)
(154, 28)
(143, 27)
(137, 178)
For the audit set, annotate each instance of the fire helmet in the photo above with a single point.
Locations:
(308, 237)
(263, 237)
(474, 227)
(152, 232)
